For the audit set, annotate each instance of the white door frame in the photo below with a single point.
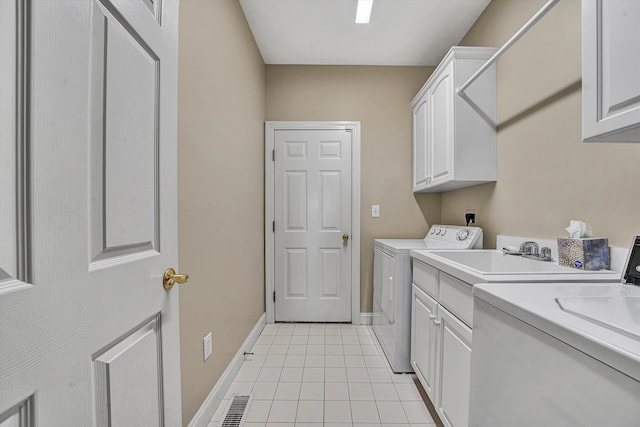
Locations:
(269, 209)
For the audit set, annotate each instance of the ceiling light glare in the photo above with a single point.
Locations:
(363, 13)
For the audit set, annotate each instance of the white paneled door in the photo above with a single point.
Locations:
(313, 225)
(88, 334)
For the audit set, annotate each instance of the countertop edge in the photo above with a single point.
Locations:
(617, 358)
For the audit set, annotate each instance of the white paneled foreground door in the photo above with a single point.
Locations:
(313, 224)
(88, 335)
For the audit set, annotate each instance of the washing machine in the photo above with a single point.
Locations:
(392, 286)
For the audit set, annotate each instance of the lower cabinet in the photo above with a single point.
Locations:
(423, 339)
(454, 370)
(441, 342)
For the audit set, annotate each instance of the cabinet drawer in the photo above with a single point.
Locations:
(426, 278)
(457, 297)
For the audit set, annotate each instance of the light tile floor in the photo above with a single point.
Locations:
(308, 375)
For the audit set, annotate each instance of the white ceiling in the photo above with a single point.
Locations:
(401, 32)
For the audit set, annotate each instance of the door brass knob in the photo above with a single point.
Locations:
(170, 278)
(345, 237)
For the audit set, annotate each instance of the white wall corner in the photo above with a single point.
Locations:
(215, 397)
(366, 318)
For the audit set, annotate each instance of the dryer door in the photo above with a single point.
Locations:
(387, 296)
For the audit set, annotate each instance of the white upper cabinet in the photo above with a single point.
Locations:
(610, 70)
(454, 140)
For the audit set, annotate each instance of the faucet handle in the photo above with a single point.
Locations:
(529, 248)
(545, 253)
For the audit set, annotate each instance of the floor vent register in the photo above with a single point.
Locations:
(236, 411)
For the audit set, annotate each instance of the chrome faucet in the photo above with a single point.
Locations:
(531, 250)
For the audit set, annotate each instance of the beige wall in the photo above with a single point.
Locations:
(546, 176)
(221, 201)
(379, 98)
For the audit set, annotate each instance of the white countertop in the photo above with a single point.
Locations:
(527, 270)
(535, 304)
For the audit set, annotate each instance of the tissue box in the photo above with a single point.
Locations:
(584, 253)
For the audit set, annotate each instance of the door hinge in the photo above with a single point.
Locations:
(347, 130)
(274, 297)
(273, 155)
(274, 226)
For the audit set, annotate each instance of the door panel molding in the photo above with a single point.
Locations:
(330, 200)
(270, 129)
(117, 366)
(124, 213)
(295, 273)
(21, 415)
(15, 158)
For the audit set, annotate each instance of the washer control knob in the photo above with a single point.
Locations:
(462, 235)
(444, 231)
(433, 230)
(437, 232)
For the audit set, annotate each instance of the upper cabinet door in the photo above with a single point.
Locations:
(440, 127)
(610, 70)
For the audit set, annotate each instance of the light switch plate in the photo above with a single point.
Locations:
(375, 211)
(206, 344)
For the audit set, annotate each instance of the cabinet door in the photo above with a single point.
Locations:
(423, 339)
(610, 64)
(420, 165)
(440, 127)
(454, 370)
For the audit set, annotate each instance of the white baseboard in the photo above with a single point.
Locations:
(210, 404)
(366, 318)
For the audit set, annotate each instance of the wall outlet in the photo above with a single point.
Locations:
(375, 211)
(206, 345)
(470, 216)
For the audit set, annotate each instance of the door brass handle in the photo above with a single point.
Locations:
(345, 237)
(170, 278)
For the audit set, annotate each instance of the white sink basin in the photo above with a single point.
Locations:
(619, 313)
(495, 262)
(492, 266)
